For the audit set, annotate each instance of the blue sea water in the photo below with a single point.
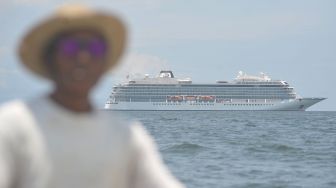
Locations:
(241, 149)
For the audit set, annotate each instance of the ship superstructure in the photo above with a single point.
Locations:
(245, 92)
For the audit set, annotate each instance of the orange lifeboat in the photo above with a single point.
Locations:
(190, 98)
(175, 98)
(207, 98)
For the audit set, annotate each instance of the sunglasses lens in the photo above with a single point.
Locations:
(97, 48)
(69, 47)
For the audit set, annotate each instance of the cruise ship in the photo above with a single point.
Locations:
(245, 92)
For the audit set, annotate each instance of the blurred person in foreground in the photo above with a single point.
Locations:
(59, 140)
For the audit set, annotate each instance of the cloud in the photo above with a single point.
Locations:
(138, 64)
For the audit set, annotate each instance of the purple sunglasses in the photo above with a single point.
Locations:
(70, 47)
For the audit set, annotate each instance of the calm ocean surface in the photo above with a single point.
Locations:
(246, 149)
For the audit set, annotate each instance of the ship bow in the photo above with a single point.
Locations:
(308, 102)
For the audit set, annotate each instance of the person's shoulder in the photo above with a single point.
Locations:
(15, 117)
(122, 123)
(19, 106)
(140, 136)
(113, 119)
(12, 109)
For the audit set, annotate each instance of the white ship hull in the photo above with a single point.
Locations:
(285, 105)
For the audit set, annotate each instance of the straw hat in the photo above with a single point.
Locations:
(71, 17)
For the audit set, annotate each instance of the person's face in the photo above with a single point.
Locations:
(78, 62)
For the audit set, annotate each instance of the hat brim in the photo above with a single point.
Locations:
(110, 27)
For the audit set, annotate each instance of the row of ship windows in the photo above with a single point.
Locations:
(262, 83)
(217, 97)
(197, 99)
(190, 88)
(198, 89)
(266, 104)
(196, 94)
(209, 104)
(202, 86)
(174, 104)
(201, 92)
(164, 98)
(255, 84)
(205, 94)
(139, 100)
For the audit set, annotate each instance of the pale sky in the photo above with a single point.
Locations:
(207, 40)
